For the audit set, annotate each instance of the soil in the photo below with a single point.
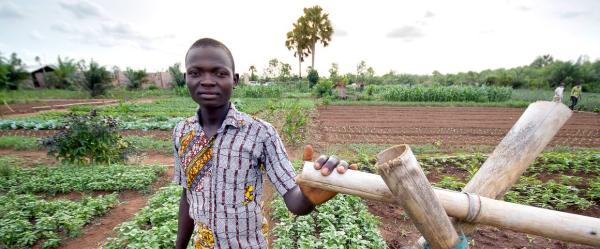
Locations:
(158, 134)
(398, 231)
(49, 104)
(101, 228)
(454, 126)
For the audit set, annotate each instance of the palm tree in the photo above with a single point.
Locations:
(297, 42)
(318, 28)
(252, 73)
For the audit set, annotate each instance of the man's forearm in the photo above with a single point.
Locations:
(185, 223)
(297, 202)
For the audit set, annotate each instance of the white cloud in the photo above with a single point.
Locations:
(571, 14)
(429, 14)
(83, 9)
(36, 35)
(407, 33)
(10, 10)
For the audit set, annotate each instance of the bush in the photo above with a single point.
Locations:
(88, 139)
(323, 88)
(182, 91)
(152, 87)
(177, 75)
(313, 77)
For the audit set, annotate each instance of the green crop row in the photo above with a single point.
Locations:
(342, 222)
(258, 91)
(447, 94)
(64, 179)
(154, 226)
(26, 220)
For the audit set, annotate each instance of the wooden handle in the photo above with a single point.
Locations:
(543, 222)
(402, 174)
(308, 153)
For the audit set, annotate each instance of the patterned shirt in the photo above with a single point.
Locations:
(223, 177)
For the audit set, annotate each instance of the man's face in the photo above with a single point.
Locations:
(209, 76)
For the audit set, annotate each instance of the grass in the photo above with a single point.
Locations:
(34, 95)
(589, 101)
(149, 143)
(19, 143)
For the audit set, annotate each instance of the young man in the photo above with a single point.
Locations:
(575, 95)
(221, 156)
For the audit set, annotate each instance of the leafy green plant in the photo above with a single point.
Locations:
(323, 88)
(295, 120)
(155, 226)
(87, 139)
(12, 72)
(65, 179)
(258, 91)
(19, 143)
(26, 219)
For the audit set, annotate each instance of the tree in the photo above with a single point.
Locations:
(333, 72)
(65, 73)
(177, 76)
(136, 78)
(272, 69)
(285, 71)
(253, 76)
(318, 28)
(96, 79)
(542, 61)
(12, 72)
(361, 70)
(297, 41)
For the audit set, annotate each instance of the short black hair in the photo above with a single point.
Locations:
(209, 42)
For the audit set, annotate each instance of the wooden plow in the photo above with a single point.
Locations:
(402, 181)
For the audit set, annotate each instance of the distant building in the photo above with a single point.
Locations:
(158, 79)
(39, 77)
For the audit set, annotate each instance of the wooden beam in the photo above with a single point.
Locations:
(543, 222)
(402, 174)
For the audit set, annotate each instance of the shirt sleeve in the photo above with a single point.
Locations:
(178, 171)
(277, 164)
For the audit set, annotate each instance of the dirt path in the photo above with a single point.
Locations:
(445, 125)
(102, 228)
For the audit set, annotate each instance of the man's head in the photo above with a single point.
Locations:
(562, 83)
(210, 73)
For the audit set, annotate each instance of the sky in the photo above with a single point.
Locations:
(415, 37)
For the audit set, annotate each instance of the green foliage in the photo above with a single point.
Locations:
(155, 226)
(96, 79)
(182, 91)
(313, 78)
(136, 78)
(64, 75)
(12, 72)
(272, 91)
(295, 121)
(88, 139)
(323, 88)
(65, 179)
(550, 194)
(447, 94)
(8, 165)
(316, 27)
(149, 143)
(25, 219)
(19, 143)
(342, 222)
(177, 76)
(450, 182)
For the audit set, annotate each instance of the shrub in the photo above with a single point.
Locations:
(182, 91)
(313, 77)
(323, 88)
(87, 139)
(177, 75)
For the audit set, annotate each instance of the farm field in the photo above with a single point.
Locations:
(138, 208)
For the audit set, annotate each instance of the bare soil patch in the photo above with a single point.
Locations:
(454, 126)
(50, 104)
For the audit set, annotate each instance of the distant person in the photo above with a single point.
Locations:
(575, 95)
(558, 92)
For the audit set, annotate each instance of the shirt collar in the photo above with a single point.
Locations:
(232, 118)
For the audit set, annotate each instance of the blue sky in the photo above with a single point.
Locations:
(407, 37)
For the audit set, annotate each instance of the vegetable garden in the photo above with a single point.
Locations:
(54, 205)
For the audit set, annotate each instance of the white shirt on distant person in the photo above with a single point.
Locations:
(558, 93)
